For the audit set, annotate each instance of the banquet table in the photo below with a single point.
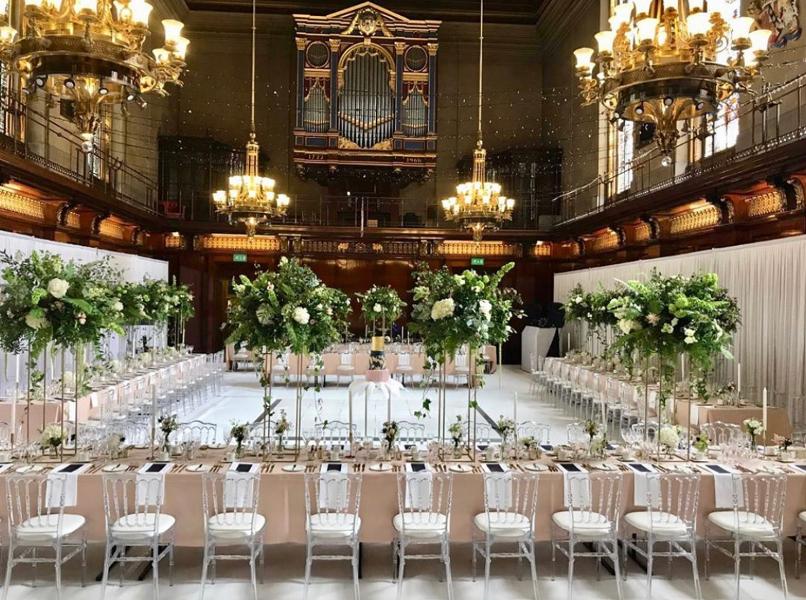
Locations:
(88, 406)
(282, 499)
(332, 361)
(777, 418)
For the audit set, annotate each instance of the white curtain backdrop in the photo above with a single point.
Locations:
(769, 281)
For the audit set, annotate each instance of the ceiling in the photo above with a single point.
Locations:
(521, 12)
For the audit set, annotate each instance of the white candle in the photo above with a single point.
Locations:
(568, 347)
(604, 413)
(739, 378)
(764, 412)
(515, 409)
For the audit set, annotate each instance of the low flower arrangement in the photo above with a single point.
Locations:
(52, 437)
(457, 432)
(753, 428)
(168, 424)
(390, 432)
(281, 427)
(239, 432)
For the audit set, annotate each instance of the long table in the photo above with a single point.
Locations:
(282, 501)
(701, 413)
(88, 406)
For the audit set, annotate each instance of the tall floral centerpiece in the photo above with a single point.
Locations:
(380, 304)
(286, 310)
(46, 302)
(182, 310)
(467, 310)
(663, 318)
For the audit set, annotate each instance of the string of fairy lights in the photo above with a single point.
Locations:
(529, 117)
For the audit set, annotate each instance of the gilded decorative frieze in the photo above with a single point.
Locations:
(701, 218)
(111, 229)
(766, 204)
(263, 243)
(462, 248)
(602, 243)
(22, 205)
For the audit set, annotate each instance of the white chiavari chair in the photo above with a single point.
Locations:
(198, 431)
(346, 366)
(37, 521)
(720, 433)
(424, 514)
(670, 520)
(485, 433)
(593, 501)
(280, 368)
(137, 432)
(332, 503)
(800, 540)
(134, 519)
(231, 519)
(315, 370)
(540, 432)
(411, 433)
(461, 369)
(756, 521)
(510, 502)
(403, 368)
(334, 432)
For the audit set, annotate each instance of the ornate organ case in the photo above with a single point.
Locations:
(366, 92)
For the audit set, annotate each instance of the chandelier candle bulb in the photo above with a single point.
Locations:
(173, 31)
(670, 5)
(699, 24)
(605, 40)
(623, 12)
(7, 34)
(584, 56)
(760, 40)
(646, 29)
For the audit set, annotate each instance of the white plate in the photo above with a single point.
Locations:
(29, 469)
(460, 468)
(114, 468)
(293, 468)
(199, 468)
(537, 467)
(603, 466)
(381, 467)
(791, 460)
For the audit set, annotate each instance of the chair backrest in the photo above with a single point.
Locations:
(460, 361)
(346, 359)
(331, 497)
(425, 498)
(316, 363)
(576, 433)
(673, 498)
(722, 433)
(485, 433)
(411, 432)
(508, 495)
(135, 498)
(231, 499)
(137, 433)
(198, 431)
(404, 359)
(541, 432)
(334, 431)
(594, 500)
(758, 499)
(30, 499)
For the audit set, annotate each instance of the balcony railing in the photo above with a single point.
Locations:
(775, 117)
(51, 145)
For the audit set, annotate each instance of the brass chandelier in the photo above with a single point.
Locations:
(667, 61)
(478, 204)
(90, 53)
(251, 199)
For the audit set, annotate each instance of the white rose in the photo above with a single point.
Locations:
(667, 328)
(377, 308)
(477, 289)
(626, 325)
(118, 306)
(35, 322)
(301, 315)
(485, 307)
(442, 308)
(460, 281)
(57, 287)
(283, 260)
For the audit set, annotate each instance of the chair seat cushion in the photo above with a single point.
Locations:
(659, 523)
(420, 525)
(345, 368)
(406, 368)
(45, 528)
(334, 525)
(587, 524)
(503, 524)
(749, 525)
(233, 526)
(141, 527)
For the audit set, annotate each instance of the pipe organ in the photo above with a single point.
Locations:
(366, 92)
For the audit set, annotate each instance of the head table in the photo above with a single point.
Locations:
(282, 494)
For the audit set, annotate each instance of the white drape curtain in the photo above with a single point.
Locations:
(769, 281)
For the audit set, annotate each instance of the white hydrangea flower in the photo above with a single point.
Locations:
(460, 281)
(57, 287)
(485, 308)
(301, 315)
(667, 328)
(442, 308)
(118, 306)
(626, 325)
(377, 308)
(35, 322)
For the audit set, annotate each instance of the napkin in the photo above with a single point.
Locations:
(149, 477)
(498, 488)
(239, 484)
(64, 479)
(576, 491)
(641, 483)
(725, 484)
(418, 486)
